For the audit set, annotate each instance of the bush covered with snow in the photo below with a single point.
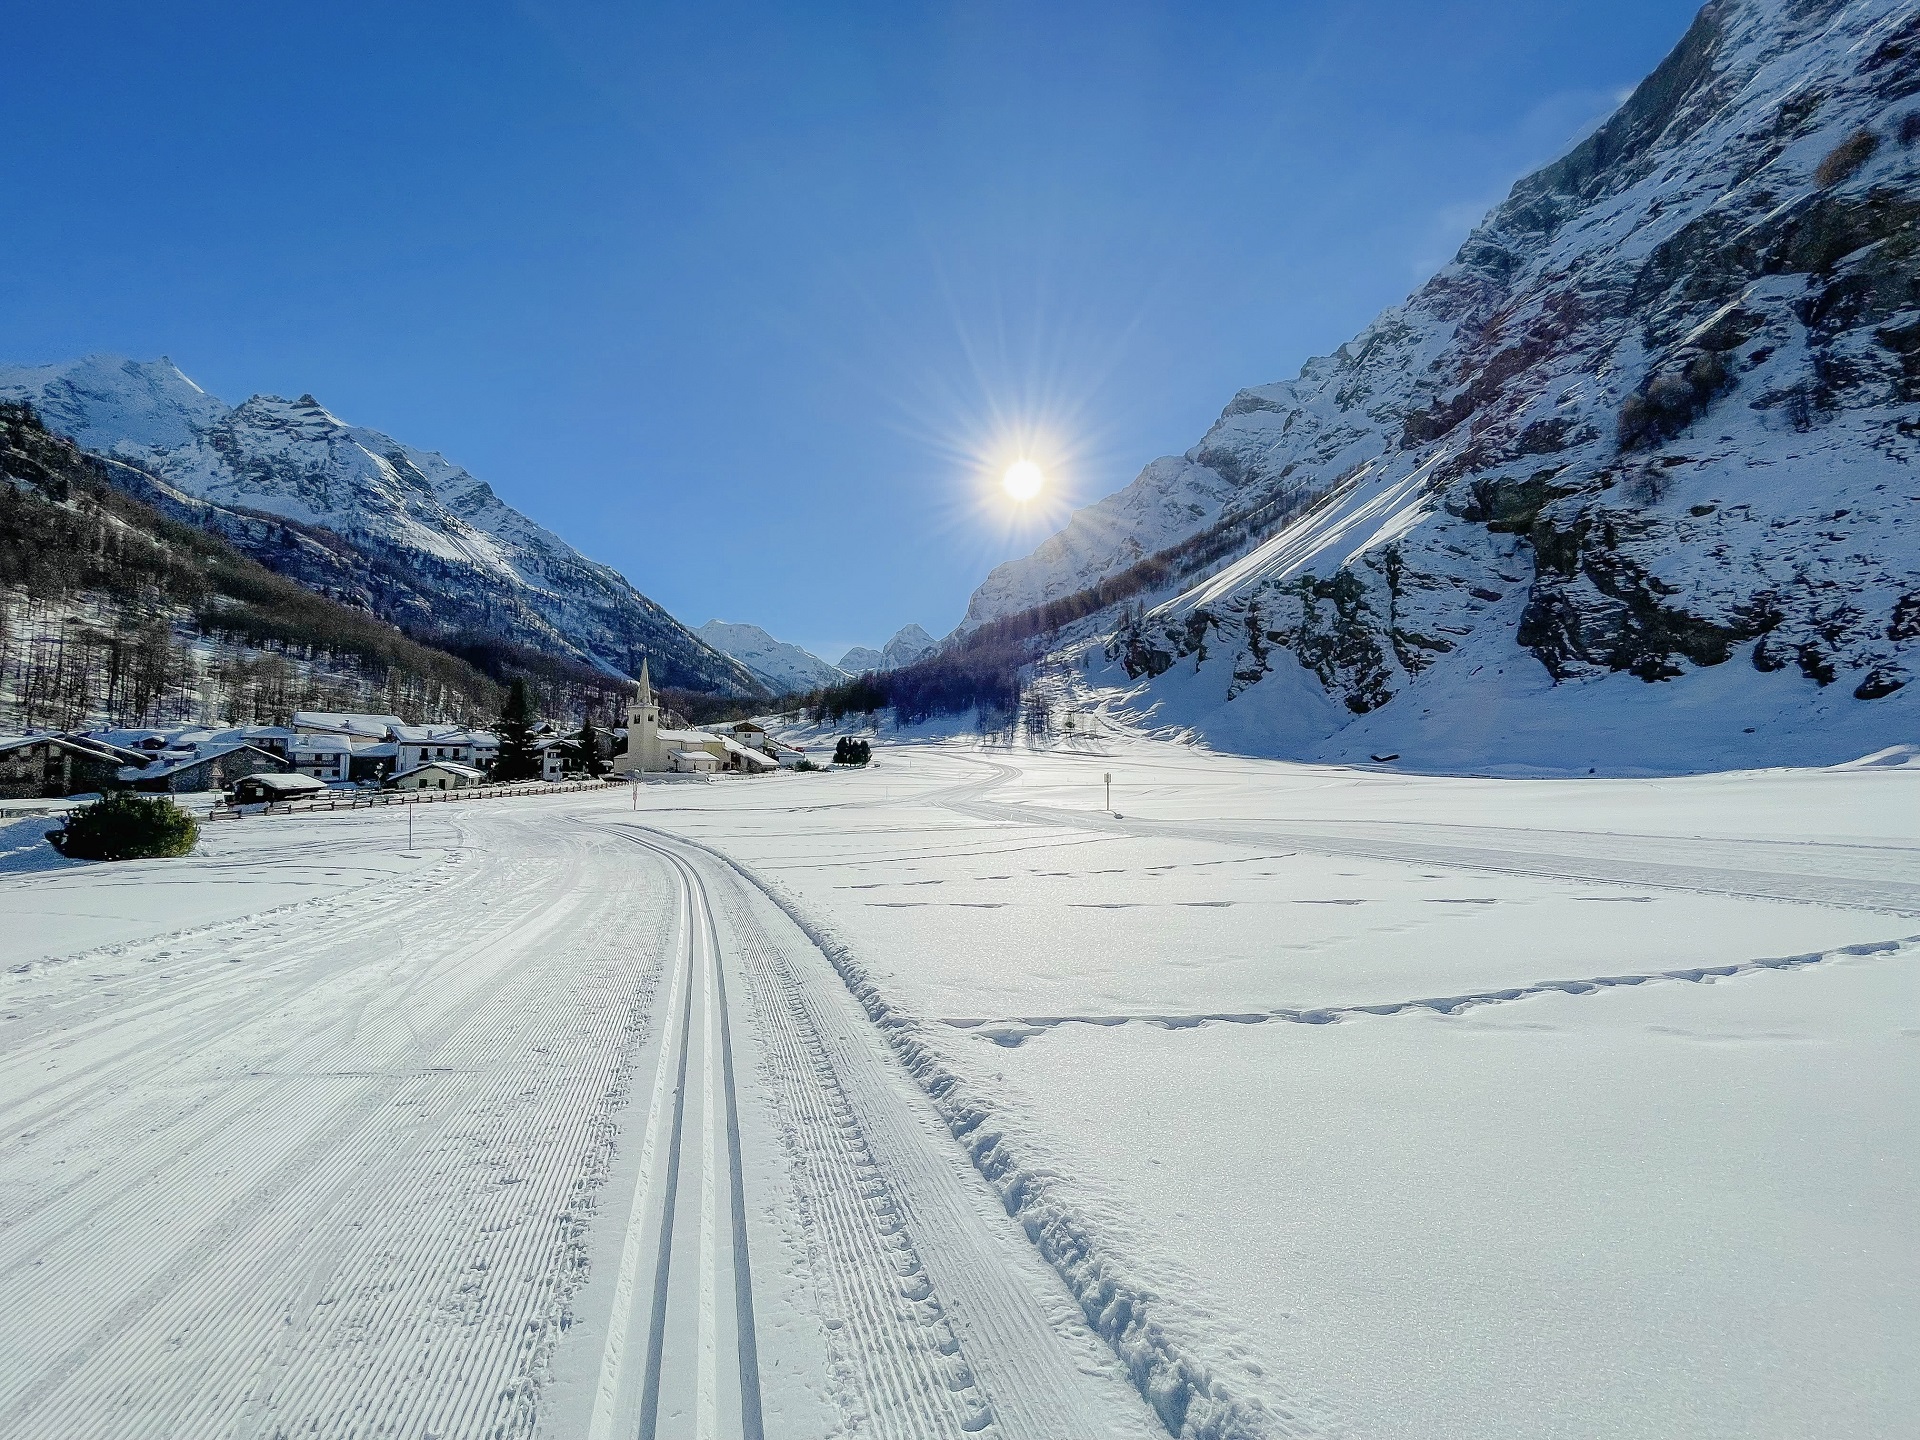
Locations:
(124, 826)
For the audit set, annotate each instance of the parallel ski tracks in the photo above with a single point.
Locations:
(681, 1356)
(333, 1172)
(945, 1323)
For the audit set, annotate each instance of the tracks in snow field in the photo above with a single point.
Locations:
(328, 1172)
(361, 1166)
(681, 1356)
(1854, 876)
(941, 1320)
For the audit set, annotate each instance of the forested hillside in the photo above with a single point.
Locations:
(399, 532)
(110, 610)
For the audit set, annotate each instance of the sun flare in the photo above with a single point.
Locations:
(1022, 480)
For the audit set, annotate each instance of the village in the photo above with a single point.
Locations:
(316, 752)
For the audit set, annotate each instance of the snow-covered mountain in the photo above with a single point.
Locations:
(404, 533)
(1659, 418)
(785, 668)
(910, 643)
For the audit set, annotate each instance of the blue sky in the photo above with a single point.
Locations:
(751, 302)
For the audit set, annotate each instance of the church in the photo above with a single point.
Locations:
(654, 751)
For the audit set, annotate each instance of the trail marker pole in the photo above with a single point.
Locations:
(1108, 777)
(409, 829)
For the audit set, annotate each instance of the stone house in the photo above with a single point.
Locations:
(34, 767)
(210, 767)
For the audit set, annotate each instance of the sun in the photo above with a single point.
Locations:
(1022, 480)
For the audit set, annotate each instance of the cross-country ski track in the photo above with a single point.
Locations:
(932, 1100)
(553, 1126)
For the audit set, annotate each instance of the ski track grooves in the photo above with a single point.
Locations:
(685, 1307)
(988, 1318)
(328, 1173)
(1187, 1398)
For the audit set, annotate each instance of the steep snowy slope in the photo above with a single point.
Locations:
(910, 643)
(405, 533)
(1661, 414)
(785, 668)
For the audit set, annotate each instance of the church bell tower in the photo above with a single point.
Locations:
(643, 725)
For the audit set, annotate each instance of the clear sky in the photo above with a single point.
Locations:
(747, 301)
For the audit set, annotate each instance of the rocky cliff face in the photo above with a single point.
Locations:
(403, 533)
(1661, 414)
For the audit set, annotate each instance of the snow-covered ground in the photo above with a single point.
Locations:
(938, 1098)
(1413, 1106)
(544, 1126)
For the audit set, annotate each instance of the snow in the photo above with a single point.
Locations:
(1506, 375)
(1289, 1099)
(1409, 1105)
(310, 1132)
(909, 643)
(1678, 1210)
(785, 668)
(1503, 714)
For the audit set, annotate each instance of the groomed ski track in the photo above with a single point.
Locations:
(567, 1131)
(681, 1354)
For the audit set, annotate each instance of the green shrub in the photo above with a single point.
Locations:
(125, 826)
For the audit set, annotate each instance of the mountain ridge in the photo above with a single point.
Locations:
(1658, 415)
(422, 542)
(785, 668)
(909, 643)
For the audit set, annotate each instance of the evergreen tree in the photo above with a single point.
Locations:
(517, 760)
(590, 747)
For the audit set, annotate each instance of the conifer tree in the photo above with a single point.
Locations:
(590, 746)
(517, 760)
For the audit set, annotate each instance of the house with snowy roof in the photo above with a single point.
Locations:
(43, 766)
(355, 729)
(216, 765)
(324, 756)
(559, 757)
(437, 775)
(417, 744)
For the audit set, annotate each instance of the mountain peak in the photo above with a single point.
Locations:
(422, 542)
(909, 643)
(785, 668)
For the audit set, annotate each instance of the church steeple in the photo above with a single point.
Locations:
(646, 685)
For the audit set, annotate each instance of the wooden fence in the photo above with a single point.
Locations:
(373, 799)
